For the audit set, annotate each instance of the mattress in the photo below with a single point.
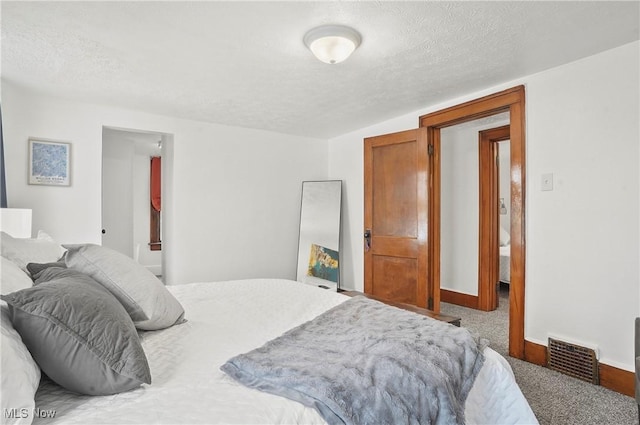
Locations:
(229, 318)
(505, 264)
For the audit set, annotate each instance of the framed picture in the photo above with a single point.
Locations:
(323, 263)
(49, 162)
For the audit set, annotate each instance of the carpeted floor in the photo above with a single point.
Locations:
(556, 399)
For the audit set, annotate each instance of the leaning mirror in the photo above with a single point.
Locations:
(319, 241)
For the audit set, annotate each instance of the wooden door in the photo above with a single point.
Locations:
(396, 175)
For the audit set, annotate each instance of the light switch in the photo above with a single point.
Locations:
(547, 182)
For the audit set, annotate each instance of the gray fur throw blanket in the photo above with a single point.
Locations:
(364, 362)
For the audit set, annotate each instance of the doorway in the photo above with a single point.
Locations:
(511, 101)
(469, 211)
(126, 192)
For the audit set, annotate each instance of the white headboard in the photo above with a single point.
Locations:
(16, 222)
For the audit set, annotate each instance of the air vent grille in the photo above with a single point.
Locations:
(573, 360)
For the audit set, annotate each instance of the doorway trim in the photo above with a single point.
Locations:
(513, 101)
(489, 193)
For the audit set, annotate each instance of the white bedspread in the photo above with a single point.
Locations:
(505, 264)
(228, 318)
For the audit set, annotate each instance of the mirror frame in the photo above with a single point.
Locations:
(328, 235)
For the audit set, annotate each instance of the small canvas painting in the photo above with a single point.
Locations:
(323, 263)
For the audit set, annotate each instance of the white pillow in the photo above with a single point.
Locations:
(12, 278)
(42, 249)
(150, 305)
(20, 374)
(505, 238)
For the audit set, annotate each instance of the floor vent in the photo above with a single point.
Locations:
(573, 360)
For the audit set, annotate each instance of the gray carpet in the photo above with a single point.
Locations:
(556, 399)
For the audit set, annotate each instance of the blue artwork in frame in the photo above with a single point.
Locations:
(49, 162)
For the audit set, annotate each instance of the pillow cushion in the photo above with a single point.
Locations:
(20, 374)
(52, 273)
(79, 334)
(35, 269)
(505, 237)
(12, 278)
(42, 249)
(148, 302)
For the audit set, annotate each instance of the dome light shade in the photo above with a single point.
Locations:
(332, 43)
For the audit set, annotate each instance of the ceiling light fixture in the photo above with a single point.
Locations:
(332, 43)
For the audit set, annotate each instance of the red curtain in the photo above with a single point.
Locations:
(156, 179)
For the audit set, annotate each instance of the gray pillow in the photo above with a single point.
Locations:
(36, 268)
(146, 299)
(79, 334)
(51, 273)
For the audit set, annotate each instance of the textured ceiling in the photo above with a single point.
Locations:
(244, 63)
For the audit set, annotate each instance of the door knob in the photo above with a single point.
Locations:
(367, 240)
(104, 231)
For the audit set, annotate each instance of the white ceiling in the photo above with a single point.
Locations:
(244, 63)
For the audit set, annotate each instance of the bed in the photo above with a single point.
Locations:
(222, 320)
(505, 264)
(505, 256)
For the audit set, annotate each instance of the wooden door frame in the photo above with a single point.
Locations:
(513, 101)
(489, 217)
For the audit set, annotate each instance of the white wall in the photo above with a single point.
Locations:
(583, 249)
(459, 210)
(582, 238)
(236, 192)
(459, 206)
